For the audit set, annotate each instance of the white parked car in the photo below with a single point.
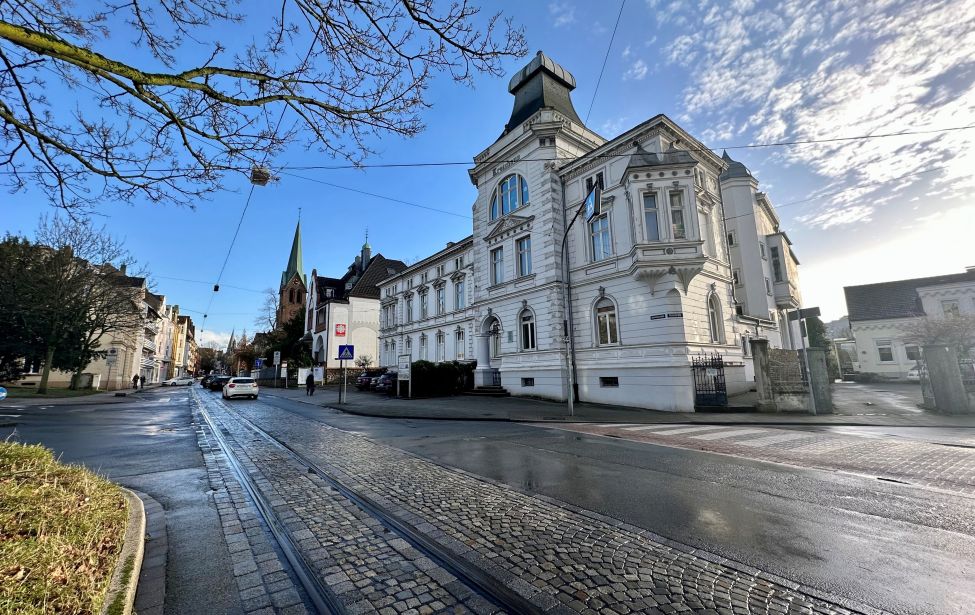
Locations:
(184, 381)
(240, 387)
(914, 375)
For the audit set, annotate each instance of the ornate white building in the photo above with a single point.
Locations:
(649, 270)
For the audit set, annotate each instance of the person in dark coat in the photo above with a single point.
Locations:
(310, 384)
(135, 381)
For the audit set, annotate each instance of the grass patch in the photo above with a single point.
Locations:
(61, 531)
(17, 392)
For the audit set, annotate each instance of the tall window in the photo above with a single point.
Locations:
(441, 347)
(714, 319)
(599, 235)
(409, 346)
(497, 266)
(423, 306)
(527, 320)
(606, 326)
(423, 347)
(677, 215)
(460, 298)
(409, 310)
(913, 352)
(524, 246)
(885, 351)
(732, 238)
(776, 264)
(441, 300)
(291, 295)
(510, 194)
(650, 219)
(768, 286)
(459, 345)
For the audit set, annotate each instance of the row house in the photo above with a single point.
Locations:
(880, 315)
(345, 310)
(648, 266)
(426, 308)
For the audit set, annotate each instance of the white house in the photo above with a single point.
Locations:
(345, 310)
(879, 313)
(649, 271)
(426, 308)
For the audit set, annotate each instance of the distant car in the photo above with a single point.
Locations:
(184, 381)
(385, 383)
(217, 383)
(914, 375)
(365, 379)
(240, 387)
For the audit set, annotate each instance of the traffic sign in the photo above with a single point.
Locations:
(592, 203)
(804, 313)
(3, 393)
(346, 352)
(111, 356)
(258, 363)
(277, 357)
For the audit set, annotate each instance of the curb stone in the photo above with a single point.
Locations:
(151, 592)
(120, 598)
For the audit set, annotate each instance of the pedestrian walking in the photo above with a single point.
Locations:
(310, 384)
(135, 381)
(142, 382)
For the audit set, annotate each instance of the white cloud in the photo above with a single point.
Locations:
(562, 13)
(824, 69)
(220, 338)
(613, 127)
(637, 71)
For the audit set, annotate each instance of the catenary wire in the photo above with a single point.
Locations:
(609, 48)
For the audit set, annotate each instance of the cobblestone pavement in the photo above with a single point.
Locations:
(545, 550)
(934, 465)
(367, 568)
(264, 584)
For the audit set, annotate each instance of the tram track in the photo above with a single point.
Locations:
(491, 589)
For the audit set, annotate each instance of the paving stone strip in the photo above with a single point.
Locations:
(537, 546)
(368, 568)
(943, 467)
(264, 584)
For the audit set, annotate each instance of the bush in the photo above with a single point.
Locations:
(440, 379)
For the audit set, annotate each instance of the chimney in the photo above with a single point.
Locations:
(121, 269)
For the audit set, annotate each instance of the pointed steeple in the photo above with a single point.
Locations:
(294, 260)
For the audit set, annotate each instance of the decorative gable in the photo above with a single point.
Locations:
(508, 226)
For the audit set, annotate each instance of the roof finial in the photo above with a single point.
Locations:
(299, 215)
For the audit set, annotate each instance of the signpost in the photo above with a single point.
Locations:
(277, 361)
(284, 373)
(111, 356)
(801, 315)
(346, 353)
(403, 363)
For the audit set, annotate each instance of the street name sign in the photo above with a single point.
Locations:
(804, 313)
(346, 352)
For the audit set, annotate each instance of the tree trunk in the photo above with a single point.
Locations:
(42, 387)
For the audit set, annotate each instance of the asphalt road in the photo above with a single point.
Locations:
(147, 444)
(896, 547)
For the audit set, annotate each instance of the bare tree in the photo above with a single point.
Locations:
(82, 293)
(267, 316)
(363, 361)
(170, 129)
(957, 332)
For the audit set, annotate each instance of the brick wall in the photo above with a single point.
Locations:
(785, 371)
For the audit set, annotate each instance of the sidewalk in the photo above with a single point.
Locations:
(108, 397)
(850, 410)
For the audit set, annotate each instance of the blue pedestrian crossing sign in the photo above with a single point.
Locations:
(346, 352)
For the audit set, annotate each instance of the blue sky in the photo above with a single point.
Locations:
(732, 73)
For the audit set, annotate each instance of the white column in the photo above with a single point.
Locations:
(483, 374)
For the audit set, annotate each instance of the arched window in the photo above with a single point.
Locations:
(291, 295)
(527, 321)
(607, 331)
(423, 347)
(714, 319)
(441, 347)
(510, 194)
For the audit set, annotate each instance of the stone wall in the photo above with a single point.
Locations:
(785, 371)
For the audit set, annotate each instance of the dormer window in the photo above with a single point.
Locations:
(510, 194)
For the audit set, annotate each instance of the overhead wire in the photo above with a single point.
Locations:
(609, 47)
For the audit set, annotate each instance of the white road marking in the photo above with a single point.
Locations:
(163, 400)
(785, 437)
(652, 427)
(10, 416)
(727, 434)
(691, 429)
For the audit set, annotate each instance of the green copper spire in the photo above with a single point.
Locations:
(294, 261)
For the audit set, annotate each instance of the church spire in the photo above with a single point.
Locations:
(294, 260)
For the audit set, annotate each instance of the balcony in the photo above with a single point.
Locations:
(787, 295)
(149, 345)
(666, 265)
(152, 327)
